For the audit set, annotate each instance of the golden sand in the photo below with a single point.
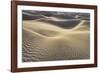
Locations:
(43, 41)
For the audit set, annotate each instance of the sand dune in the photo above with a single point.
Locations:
(28, 16)
(62, 22)
(43, 41)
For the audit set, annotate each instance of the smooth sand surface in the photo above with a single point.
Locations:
(43, 41)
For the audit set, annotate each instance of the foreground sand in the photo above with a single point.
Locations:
(44, 42)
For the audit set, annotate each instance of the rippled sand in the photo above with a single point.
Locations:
(43, 41)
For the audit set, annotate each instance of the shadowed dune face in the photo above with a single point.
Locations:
(47, 41)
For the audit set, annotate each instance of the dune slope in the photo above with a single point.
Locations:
(43, 41)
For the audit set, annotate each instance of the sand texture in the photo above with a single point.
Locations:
(44, 40)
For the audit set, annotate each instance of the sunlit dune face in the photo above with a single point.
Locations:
(53, 30)
(44, 41)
